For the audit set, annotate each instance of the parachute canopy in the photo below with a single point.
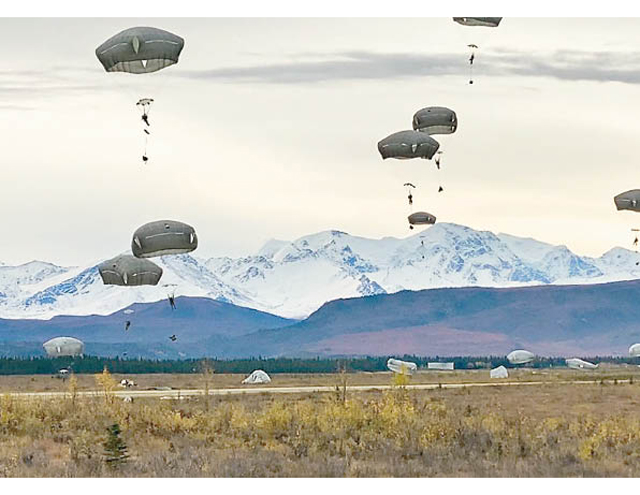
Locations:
(258, 376)
(163, 237)
(499, 372)
(629, 200)
(404, 145)
(435, 120)
(421, 218)
(579, 364)
(129, 270)
(634, 350)
(140, 50)
(520, 357)
(63, 346)
(478, 21)
(402, 367)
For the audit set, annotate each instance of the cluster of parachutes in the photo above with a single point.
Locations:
(427, 122)
(418, 143)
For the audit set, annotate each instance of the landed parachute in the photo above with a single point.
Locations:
(405, 145)
(520, 357)
(258, 376)
(421, 218)
(128, 270)
(402, 367)
(435, 120)
(140, 50)
(579, 364)
(478, 21)
(163, 237)
(64, 346)
(499, 372)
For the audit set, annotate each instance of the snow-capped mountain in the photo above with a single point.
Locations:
(293, 279)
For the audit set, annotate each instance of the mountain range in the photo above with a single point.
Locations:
(294, 279)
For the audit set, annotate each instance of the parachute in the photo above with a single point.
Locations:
(634, 350)
(410, 186)
(421, 218)
(499, 372)
(629, 200)
(163, 237)
(171, 294)
(140, 50)
(258, 376)
(579, 364)
(402, 367)
(405, 145)
(520, 357)
(128, 270)
(435, 120)
(64, 346)
(478, 21)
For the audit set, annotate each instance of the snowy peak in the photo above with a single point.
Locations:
(294, 278)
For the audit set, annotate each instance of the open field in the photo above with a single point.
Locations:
(547, 429)
(48, 383)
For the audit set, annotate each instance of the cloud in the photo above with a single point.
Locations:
(363, 65)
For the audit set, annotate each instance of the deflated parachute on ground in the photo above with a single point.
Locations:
(478, 21)
(435, 120)
(520, 357)
(64, 346)
(163, 237)
(579, 364)
(402, 367)
(499, 372)
(140, 50)
(405, 145)
(258, 376)
(629, 200)
(130, 271)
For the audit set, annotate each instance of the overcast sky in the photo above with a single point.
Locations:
(267, 128)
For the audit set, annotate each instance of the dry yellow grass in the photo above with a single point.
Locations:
(548, 430)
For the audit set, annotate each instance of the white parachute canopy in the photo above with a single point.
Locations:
(520, 356)
(402, 367)
(634, 350)
(258, 376)
(579, 364)
(499, 372)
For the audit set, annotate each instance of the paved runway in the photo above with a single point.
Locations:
(257, 389)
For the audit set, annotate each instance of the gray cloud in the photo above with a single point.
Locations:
(562, 65)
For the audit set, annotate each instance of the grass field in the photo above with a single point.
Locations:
(554, 429)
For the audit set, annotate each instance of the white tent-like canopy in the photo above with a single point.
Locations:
(258, 376)
(499, 372)
(402, 367)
